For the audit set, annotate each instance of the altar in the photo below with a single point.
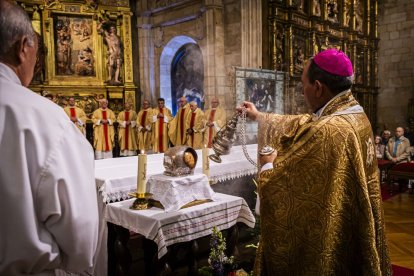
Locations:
(115, 178)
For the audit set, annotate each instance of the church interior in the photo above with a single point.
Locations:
(224, 52)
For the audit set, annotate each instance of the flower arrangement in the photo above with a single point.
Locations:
(219, 263)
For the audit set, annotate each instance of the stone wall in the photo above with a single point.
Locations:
(396, 62)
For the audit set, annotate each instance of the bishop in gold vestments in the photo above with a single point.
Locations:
(161, 116)
(103, 130)
(320, 203)
(176, 130)
(126, 131)
(144, 127)
(76, 115)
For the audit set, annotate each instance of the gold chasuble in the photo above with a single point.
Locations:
(218, 117)
(126, 133)
(78, 113)
(195, 121)
(160, 124)
(320, 206)
(143, 128)
(103, 134)
(176, 130)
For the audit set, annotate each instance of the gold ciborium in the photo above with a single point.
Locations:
(224, 139)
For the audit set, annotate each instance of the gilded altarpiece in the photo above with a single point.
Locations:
(85, 51)
(299, 29)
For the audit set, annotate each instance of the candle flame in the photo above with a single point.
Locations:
(142, 152)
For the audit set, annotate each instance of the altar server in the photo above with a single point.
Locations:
(48, 207)
(103, 130)
(320, 199)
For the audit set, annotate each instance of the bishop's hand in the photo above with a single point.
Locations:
(251, 111)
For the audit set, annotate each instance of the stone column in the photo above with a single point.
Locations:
(146, 61)
(214, 76)
(251, 33)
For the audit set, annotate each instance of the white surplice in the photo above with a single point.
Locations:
(48, 208)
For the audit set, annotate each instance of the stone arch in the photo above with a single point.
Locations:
(166, 60)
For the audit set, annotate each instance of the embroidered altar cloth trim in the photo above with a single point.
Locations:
(167, 228)
(175, 192)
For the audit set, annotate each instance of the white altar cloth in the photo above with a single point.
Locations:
(175, 192)
(116, 177)
(183, 225)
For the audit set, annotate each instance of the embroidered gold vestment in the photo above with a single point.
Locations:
(321, 208)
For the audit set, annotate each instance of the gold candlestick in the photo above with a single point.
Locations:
(142, 197)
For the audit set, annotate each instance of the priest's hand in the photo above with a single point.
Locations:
(104, 122)
(127, 123)
(160, 115)
(251, 110)
(264, 159)
(74, 119)
(190, 131)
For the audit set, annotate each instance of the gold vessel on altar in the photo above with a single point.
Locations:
(180, 161)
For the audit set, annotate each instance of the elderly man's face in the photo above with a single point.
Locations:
(104, 104)
(193, 107)
(214, 103)
(127, 106)
(145, 104)
(71, 101)
(182, 102)
(399, 132)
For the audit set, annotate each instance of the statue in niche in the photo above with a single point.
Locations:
(333, 11)
(347, 13)
(64, 49)
(316, 7)
(358, 16)
(113, 41)
(299, 58)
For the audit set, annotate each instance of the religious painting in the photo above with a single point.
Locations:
(74, 49)
(265, 88)
(187, 75)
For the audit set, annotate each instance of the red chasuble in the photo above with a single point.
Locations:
(126, 130)
(191, 126)
(182, 125)
(160, 133)
(105, 126)
(72, 112)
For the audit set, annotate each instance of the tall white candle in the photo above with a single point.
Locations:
(142, 174)
(206, 164)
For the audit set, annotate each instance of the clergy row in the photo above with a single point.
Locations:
(152, 129)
